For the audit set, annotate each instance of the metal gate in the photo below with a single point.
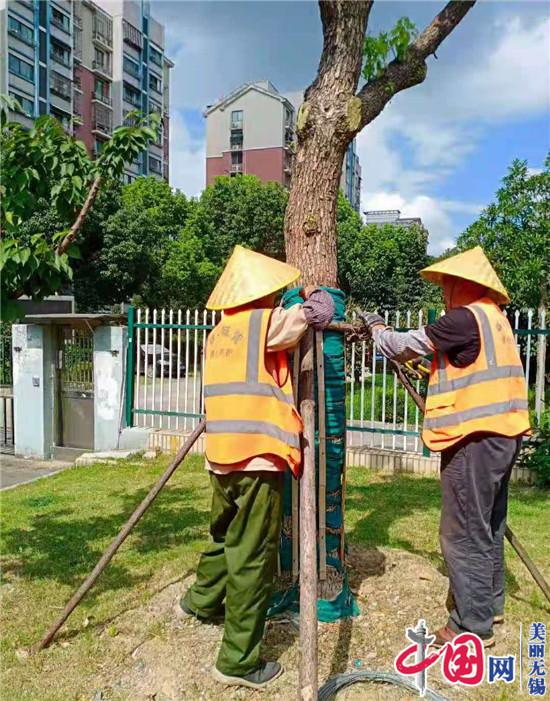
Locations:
(75, 378)
(6, 390)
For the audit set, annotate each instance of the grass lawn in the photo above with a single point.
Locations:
(55, 530)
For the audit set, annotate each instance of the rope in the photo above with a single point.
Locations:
(341, 681)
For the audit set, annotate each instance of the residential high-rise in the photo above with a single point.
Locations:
(252, 131)
(90, 65)
(350, 183)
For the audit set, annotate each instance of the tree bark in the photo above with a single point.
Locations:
(323, 128)
(332, 115)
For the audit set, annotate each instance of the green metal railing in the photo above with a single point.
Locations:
(376, 404)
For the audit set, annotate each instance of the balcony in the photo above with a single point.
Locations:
(237, 147)
(77, 20)
(236, 126)
(104, 99)
(62, 26)
(101, 127)
(64, 59)
(155, 166)
(236, 168)
(60, 86)
(102, 69)
(103, 38)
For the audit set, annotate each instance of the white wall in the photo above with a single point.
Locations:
(263, 123)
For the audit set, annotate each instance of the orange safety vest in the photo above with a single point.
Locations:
(248, 395)
(489, 395)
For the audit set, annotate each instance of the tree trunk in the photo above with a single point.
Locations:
(81, 218)
(327, 122)
(310, 223)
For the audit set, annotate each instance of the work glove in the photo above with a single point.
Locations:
(319, 309)
(371, 319)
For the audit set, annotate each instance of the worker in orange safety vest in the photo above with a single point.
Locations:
(476, 414)
(252, 438)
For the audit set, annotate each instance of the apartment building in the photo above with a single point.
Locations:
(252, 131)
(91, 65)
(391, 216)
(350, 183)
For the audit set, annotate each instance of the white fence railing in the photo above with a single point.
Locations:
(169, 357)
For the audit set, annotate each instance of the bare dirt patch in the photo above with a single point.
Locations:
(156, 657)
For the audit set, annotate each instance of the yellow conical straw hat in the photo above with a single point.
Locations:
(249, 276)
(471, 265)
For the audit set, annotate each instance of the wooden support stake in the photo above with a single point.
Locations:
(308, 530)
(121, 537)
(322, 456)
(524, 557)
(295, 485)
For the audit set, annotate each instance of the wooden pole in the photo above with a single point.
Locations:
(121, 537)
(322, 456)
(295, 485)
(308, 530)
(524, 557)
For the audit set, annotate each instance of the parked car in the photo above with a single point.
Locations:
(157, 358)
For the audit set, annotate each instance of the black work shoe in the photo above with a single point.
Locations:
(259, 679)
(182, 612)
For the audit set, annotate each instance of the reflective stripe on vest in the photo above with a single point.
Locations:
(478, 412)
(258, 389)
(253, 427)
(247, 412)
(458, 403)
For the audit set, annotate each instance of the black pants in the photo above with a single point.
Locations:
(474, 484)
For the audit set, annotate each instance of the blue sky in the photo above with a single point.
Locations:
(437, 151)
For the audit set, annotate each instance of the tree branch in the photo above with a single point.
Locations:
(344, 26)
(400, 75)
(75, 228)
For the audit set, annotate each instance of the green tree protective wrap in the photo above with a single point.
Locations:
(342, 603)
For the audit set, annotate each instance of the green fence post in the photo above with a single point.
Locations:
(130, 357)
(432, 315)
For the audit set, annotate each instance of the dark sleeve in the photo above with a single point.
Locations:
(456, 334)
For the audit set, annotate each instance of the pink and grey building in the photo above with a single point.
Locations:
(252, 130)
(89, 64)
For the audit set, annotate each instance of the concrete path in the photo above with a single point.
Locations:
(16, 471)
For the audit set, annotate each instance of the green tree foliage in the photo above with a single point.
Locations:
(44, 164)
(387, 45)
(379, 265)
(240, 210)
(136, 243)
(231, 211)
(514, 232)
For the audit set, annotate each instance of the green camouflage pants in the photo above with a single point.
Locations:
(239, 565)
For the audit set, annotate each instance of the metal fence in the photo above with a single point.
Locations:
(166, 357)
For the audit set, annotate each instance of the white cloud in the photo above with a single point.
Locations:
(433, 212)
(510, 79)
(187, 158)
(425, 133)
